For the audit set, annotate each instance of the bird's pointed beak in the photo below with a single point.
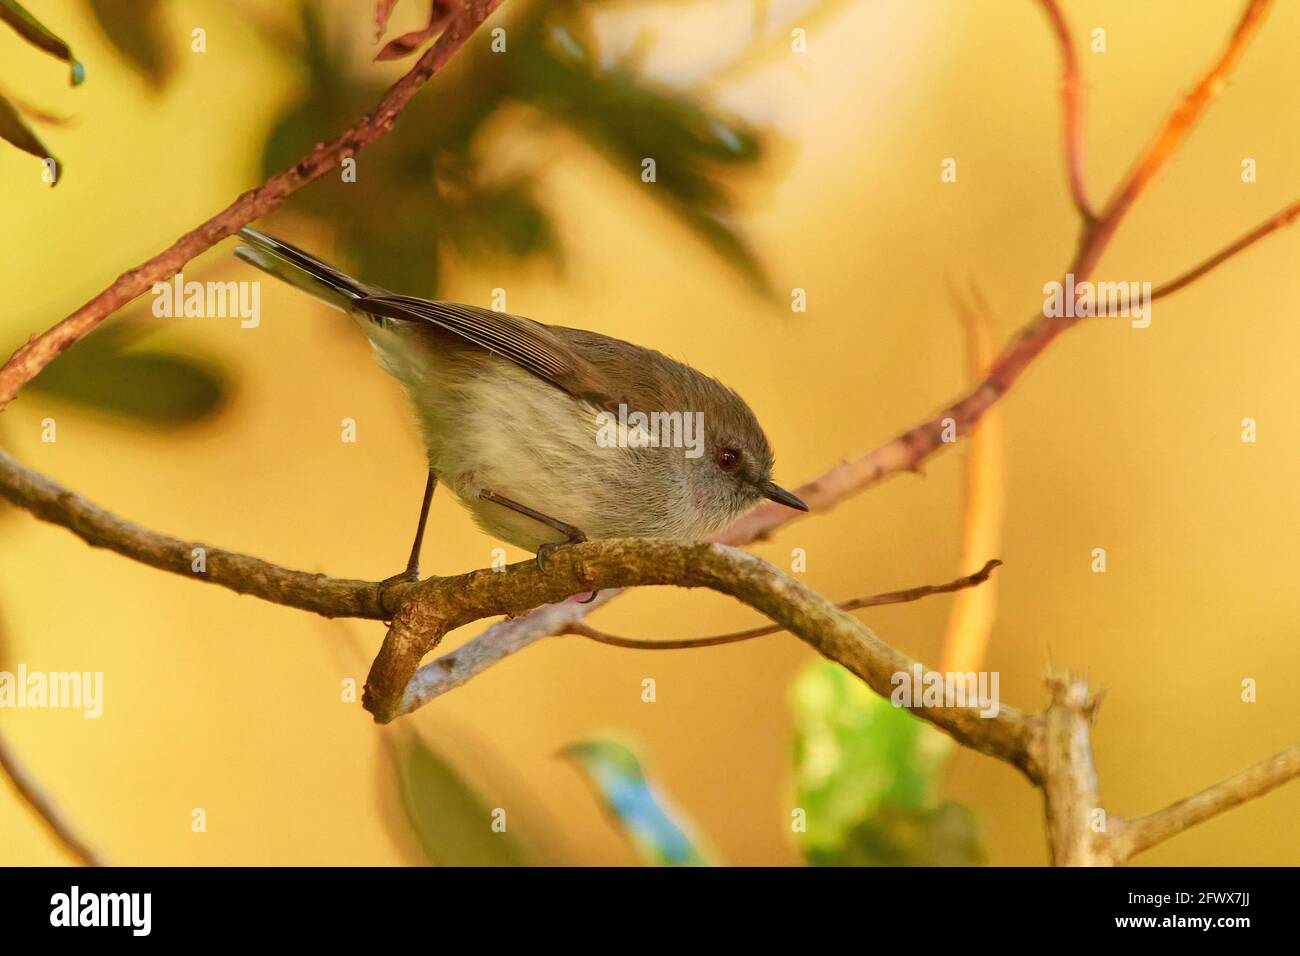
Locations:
(778, 494)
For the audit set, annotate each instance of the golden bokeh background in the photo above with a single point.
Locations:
(1117, 438)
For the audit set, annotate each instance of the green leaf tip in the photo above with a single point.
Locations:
(39, 35)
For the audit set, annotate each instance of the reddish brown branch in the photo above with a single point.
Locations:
(1072, 111)
(1284, 218)
(910, 449)
(40, 350)
(583, 629)
(1171, 136)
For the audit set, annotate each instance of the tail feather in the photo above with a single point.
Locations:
(302, 270)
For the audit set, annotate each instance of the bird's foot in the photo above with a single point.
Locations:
(575, 537)
(410, 576)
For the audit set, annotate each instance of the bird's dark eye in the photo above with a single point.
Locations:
(728, 459)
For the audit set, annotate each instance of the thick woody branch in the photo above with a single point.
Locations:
(1080, 832)
(1053, 750)
(1071, 797)
(439, 605)
(494, 645)
(427, 611)
(332, 597)
(40, 350)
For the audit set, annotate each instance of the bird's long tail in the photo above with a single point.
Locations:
(302, 270)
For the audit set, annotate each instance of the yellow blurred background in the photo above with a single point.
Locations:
(1117, 438)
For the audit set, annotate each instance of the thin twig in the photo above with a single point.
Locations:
(1171, 136)
(1072, 111)
(1284, 218)
(1064, 752)
(397, 681)
(1145, 832)
(583, 629)
(27, 788)
(27, 362)
(907, 451)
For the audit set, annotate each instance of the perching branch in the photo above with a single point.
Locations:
(909, 450)
(428, 610)
(1060, 751)
(439, 605)
(26, 363)
(425, 611)
(319, 593)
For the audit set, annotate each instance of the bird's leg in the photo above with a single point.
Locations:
(572, 534)
(413, 562)
(412, 572)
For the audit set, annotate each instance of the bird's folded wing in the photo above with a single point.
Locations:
(530, 345)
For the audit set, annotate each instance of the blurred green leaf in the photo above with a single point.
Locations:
(500, 219)
(37, 34)
(438, 196)
(697, 151)
(637, 806)
(16, 131)
(109, 372)
(450, 820)
(861, 766)
(138, 31)
(945, 835)
(853, 751)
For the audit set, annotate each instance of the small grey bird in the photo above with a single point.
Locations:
(549, 434)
